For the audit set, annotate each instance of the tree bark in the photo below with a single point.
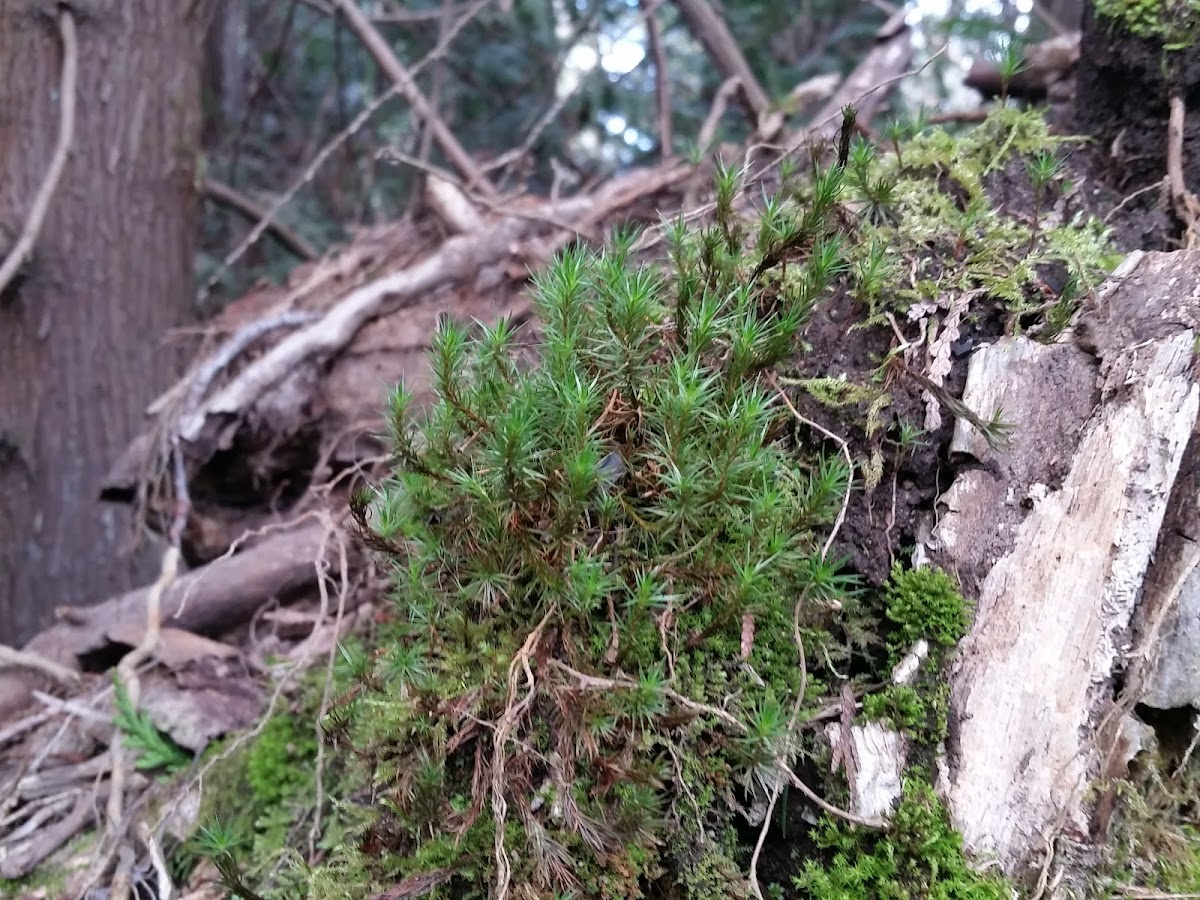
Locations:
(82, 327)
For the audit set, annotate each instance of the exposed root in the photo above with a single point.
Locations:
(513, 712)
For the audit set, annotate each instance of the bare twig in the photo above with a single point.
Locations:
(711, 31)
(127, 667)
(514, 709)
(593, 682)
(314, 832)
(778, 788)
(20, 861)
(392, 67)
(166, 889)
(58, 161)
(305, 177)
(256, 212)
(22, 726)
(1139, 192)
(662, 81)
(708, 129)
(11, 656)
(1187, 206)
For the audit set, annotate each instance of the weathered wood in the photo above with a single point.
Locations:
(209, 600)
(1055, 546)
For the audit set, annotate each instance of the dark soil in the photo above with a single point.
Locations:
(1123, 85)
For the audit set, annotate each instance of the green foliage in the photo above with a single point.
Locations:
(1176, 23)
(222, 844)
(925, 604)
(1155, 840)
(921, 604)
(259, 798)
(279, 762)
(576, 549)
(154, 749)
(932, 215)
(603, 564)
(919, 858)
(900, 706)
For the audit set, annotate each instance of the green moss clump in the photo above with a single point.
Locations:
(920, 858)
(578, 548)
(901, 706)
(925, 604)
(1174, 22)
(279, 763)
(612, 601)
(1155, 840)
(921, 604)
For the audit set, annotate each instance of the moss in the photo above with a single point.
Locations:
(900, 706)
(608, 568)
(1155, 841)
(280, 761)
(920, 858)
(1174, 22)
(925, 604)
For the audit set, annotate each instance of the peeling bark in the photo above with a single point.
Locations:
(1059, 565)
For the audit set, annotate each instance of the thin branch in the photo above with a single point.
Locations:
(26, 660)
(58, 161)
(1187, 206)
(237, 201)
(662, 81)
(593, 682)
(711, 31)
(306, 176)
(708, 129)
(841, 516)
(392, 67)
(328, 150)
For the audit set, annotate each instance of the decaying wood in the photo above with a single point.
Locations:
(209, 600)
(880, 755)
(1046, 64)
(1055, 538)
(24, 857)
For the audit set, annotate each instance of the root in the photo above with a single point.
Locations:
(513, 711)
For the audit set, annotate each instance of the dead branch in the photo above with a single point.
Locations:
(712, 32)
(58, 161)
(21, 860)
(209, 600)
(457, 257)
(256, 212)
(305, 177)
(662, 81)
(708, 129)
(1187, 206)
(28, 660)
(392, 67)
(884, 64)
(1045, 63)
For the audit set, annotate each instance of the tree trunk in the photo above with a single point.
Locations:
(82, 327)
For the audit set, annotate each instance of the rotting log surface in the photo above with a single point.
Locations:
(1058, 563)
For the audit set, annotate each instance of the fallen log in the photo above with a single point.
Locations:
(208, 601)
(1046, 65)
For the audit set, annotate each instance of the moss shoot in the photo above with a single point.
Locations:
(614, 606)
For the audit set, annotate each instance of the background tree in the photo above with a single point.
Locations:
(111, 97)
